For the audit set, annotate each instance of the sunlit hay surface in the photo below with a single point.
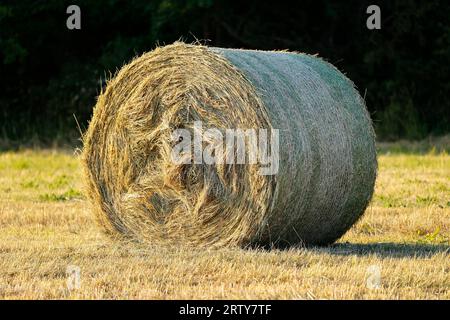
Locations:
(327, 154)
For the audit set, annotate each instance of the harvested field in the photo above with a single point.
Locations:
(46, 226)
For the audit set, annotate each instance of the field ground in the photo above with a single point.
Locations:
(399, 249)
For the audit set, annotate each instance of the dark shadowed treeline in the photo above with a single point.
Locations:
(48, 73)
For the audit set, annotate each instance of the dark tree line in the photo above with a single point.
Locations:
(49, 73)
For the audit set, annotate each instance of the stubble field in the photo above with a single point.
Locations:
(400, 249)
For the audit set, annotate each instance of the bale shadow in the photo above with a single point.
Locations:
(386, 250)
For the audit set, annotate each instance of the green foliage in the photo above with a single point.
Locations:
(70, 194)
(30, 184)
(49, 73)
(388, 201)
(434, 237)
(430, 146)
(400, 120)
(59, 182)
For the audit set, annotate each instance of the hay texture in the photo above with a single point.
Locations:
(327, 164)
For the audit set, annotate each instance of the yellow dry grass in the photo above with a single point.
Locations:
(46, 225)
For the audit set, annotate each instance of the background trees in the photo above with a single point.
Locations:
(49, 73)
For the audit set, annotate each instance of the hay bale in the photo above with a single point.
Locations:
(327, 164)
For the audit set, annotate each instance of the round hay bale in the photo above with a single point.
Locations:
(327, 158)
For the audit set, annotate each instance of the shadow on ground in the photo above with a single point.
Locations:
(386, 250)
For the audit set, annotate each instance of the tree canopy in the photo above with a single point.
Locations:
(49, 73)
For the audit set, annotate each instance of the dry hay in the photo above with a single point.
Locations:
(327, 164)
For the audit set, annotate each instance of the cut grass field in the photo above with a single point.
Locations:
(46, 230)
